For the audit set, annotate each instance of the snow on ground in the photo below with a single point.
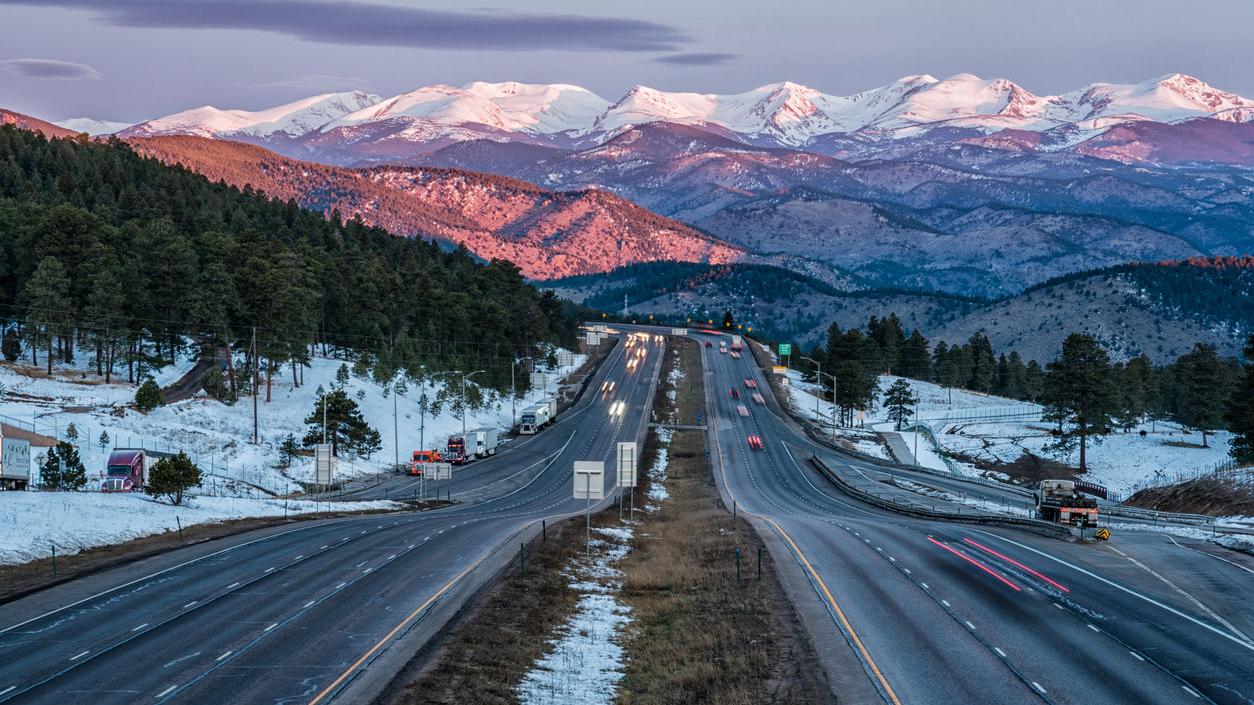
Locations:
(583, 662)
(1237, 542)
(218, 436)
(657, 472)
(31, 522)
(998, 429)
(983, 505)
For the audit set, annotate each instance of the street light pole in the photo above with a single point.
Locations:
(513, 393)
(818, 378)
(464, 378)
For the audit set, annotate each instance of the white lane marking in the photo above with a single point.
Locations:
(907, 570)
(411, 546)
(272, 626)
(390, 557)
(12, 687)
(166, 692)
(1090, 626)
(366, 571)
(232, 586)
(1198, 603)
(190, 604)
(1205, 553)
(150, 576)
(945, 603)
(299, 557)
(140, 627)
(309, 604)
(1059, 606)
(970, 625)
(322, 547)
(999, 652)
(1138, 656)
(1038, 687)
(1130, 591)
(894, 560)
(1190, 691)
(269, 570)
(79, 656)
(224, 656)
(337, 587)
(925, 587)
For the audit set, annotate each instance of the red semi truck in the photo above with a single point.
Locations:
(127, 469)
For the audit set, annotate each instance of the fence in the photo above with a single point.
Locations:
(1229, 471)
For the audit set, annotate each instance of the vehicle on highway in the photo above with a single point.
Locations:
(722, 350)
(537, 416)
(1059, 502)
(757, 398)
(742, 409)
(755, 442)
(14, 463)
(127, 468)
(708, 344)
(479, 443)
(736, 343)
(750, 383)
(421, 457)
(735, 355)
(735, 393)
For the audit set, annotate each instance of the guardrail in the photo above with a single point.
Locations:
(1039, 527)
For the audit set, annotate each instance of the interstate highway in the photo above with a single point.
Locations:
(946, 612)
(314, 612)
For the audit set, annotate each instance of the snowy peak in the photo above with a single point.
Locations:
(292, 119)
(92, 126)
(1171, 98)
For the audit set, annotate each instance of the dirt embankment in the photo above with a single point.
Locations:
(1215, 496)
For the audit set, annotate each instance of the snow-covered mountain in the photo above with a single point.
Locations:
(359, 127)
(291, 120)
(93, 126)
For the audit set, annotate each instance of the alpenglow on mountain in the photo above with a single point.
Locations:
(783, 114)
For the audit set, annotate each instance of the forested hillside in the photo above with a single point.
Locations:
(128, 257)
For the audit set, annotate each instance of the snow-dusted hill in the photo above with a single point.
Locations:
(291, 119)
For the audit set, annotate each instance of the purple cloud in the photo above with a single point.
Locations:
(696, 58)
(375, 24)
(49, 68)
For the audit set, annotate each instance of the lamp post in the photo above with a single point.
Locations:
(819, 378)
(513, 393)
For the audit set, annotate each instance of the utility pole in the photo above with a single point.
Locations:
(254, 385)
(819, 391)
(396, 438)
(464, 378)
(513, 393)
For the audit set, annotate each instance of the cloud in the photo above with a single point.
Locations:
(313, 82)
(49, 68)
(696, 58)
(375, 24)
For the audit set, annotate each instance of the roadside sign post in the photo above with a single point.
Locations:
(785, 351)
(324, 464)
(589, 484)
(627, 476)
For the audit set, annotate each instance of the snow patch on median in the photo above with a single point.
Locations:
(584, 662)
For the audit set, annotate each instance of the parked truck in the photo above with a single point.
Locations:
(477, 443)
(421, 458)
(537, 416)
(127, 469)
(14, 463)
(1059, 502)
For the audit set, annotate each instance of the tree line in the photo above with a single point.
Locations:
(120, 258)
(1084, 392)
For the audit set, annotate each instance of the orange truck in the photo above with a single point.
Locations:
(420, 457)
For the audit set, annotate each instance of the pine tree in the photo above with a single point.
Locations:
(47, 298)
(345, 425)
(900, 401)
(172, 477)
(1240, 411)
(1201, 377)
(148, 397)
(914, 361)
(1080, 394)
(62, 468)
(983, 365)
(11, 344)
(104, 440)
(729, 321)
(1136, 389)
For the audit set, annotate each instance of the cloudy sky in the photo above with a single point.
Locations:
(130, 60)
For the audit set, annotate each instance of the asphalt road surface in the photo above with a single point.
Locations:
(309, 613)
(941, 612)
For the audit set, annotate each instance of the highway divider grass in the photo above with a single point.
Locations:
(701, 631)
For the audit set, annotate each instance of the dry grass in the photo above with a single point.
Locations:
(700, 635)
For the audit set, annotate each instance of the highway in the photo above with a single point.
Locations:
(312, 612)
(943, 612)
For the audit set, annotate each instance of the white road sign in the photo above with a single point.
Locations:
(437, 471)
(324, 464)
(589, 479)
(627, 464)
(679, 331)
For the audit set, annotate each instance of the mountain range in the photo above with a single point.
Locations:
(356, 127)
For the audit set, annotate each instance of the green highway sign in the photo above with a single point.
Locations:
(785, 349)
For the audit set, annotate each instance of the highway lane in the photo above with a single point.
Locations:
(299, 615)
(948, 612)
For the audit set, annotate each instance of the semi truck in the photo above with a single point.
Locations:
(14, 463)
(477, 443)
(422, 457)
(736, 343)
(1059, 502)
(128, 468)
(537, 416)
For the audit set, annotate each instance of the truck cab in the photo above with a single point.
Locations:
(422, 457)
(456, 452)
(1058, 501)
(124, 472)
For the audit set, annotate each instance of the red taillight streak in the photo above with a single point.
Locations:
(1008, 558)
(975, 563)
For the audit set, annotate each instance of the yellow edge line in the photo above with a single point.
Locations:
(403, 623)
(827, 593)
